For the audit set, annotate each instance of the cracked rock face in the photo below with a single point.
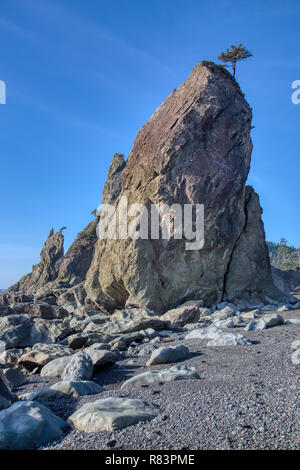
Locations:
(47, 270)
(195, 149)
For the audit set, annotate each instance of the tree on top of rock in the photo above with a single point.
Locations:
(233, 55)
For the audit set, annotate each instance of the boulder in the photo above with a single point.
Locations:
(63, 390)
(133, 320)
(111, 414)
(6, 397)
(27, 425)
(292, 321)
(204, 332)
(227, 323)
(186, 313)
(15, 377)
(56, 367)
(154, 377)
(218, 337)
(101, 357)
(41, 354)
(10, 357)
(79, 368)
(195, 149)
(168, 354)
(18, 331)
(267, 321)
(229, 339)
(80, 340)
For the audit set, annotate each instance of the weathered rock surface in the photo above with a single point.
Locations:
(27, 425)
(15, 377)
(56, 367)
(10, 357)
(161, 376)
(229, 339)
(79, 368)
(18, 331)
(168, 355)
(267, 321)
(6, 397)
(111, 414)
(41, 354)
(218, 337)
(187, 313)
(101, 357)
(195, 149)
(287, 281)
(63, 390)
(46, 270)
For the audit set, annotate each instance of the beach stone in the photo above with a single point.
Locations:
(185, 313)
(27, 425)
(79, 368)
(10, 357)
(169, 354)
(6, 397)
(267, 321)
(101, 357)
(229, 339)
(41, 354)
(56, 367)
(15, 377)
(227, 323)
(292, 321)
(162, 376)
(111, 414)
(63, 390)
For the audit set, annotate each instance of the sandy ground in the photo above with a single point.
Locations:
(247, 398)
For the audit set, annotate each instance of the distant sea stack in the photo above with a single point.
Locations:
(195, 149)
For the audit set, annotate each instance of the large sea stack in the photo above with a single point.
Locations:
(195, 149)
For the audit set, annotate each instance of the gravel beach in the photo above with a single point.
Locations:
(246, 398)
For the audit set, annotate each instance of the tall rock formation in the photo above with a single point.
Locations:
(45, 271)
(57, 270)
(195, 149)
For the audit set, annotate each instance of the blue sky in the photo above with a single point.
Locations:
(82, 76)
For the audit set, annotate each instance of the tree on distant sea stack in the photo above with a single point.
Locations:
(51, 232)
(62, 229)
(233, 55)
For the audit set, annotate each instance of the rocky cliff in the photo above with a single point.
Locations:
(195, 149)
(57, 270)
(287, 281)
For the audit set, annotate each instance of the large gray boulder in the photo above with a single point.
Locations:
(154, 377)
(19, 331)
(195, 149)
(111, 414)
(41, 354)
(6, 397)
(101, 357)
(63, 390)
(267, 321)
(27, 425)
(79, 368)
(168, 354)
(56, 367)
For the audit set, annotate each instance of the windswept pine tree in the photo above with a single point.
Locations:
(234, 55)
